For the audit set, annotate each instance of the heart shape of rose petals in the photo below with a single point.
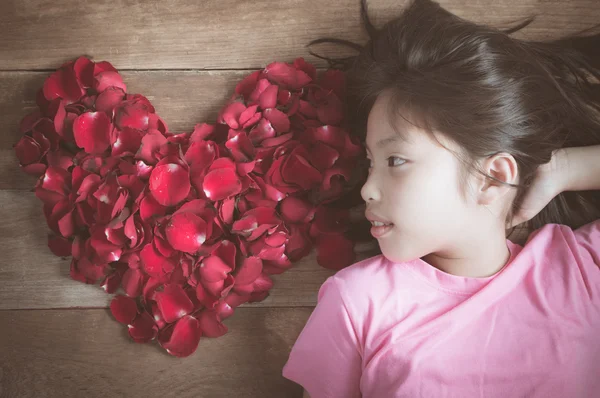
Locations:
(190, 226)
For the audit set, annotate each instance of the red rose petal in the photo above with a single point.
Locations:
(286, 75)
(226, 210)
(309, 69)
(63, 84)
(92, 132)
(297, 170)
(214, 269)
(205, 297)
(173, 303)
(278, 119)
(111, 283)
(28, 151)
(134, 113)
(323, 156)
(246, 86)
(169, 184)
(335, 251)
(127, 143)
(231, 113)
(221, 183)
(295, 210)
(186, 232)
(152, 141)
(150, 208)
(143, 329)
(263, 130)
(299, 243)
(124, 309)
(247, 115)
(84, 71)
(182, 339)
(250, 269)
(108, 79)
(240, 147)
(60, 246)
(330, 110)
(268, 98)
(211, 325)
(132, 282)
(201, 132)
(109, 99)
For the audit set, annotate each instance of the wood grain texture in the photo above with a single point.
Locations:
(86, 353)
(227, 34)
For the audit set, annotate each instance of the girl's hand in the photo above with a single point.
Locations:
(548, 182)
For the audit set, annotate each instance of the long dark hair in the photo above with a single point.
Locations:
(485, 90)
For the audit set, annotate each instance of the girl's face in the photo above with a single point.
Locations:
(413, 185)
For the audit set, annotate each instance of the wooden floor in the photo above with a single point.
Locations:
(57, 337)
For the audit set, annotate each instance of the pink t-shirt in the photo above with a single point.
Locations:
(383, 329)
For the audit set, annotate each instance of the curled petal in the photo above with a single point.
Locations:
(246, 86)
(143, 329)
(211, 325)
(63, 84)
(134, 113)
(297, 170)
(182, 339)
(152, 141)
(286, 75)
(105, 80)
(109, 99)
(231, 113)
(213, 269)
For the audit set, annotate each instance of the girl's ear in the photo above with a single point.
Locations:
(503, 168)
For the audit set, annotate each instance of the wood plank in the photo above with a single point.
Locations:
(31, 277)
(76, 353)
(226, 34)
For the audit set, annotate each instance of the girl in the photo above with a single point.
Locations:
(469, 132)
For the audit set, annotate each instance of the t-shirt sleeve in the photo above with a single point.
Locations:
(326, 358)
(588, 240)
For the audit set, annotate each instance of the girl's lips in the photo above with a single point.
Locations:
(378, 232)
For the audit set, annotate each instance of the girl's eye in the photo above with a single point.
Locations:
(394, 161)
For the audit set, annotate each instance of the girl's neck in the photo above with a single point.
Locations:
(477, 258)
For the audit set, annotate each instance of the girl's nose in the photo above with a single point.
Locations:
(369, 191)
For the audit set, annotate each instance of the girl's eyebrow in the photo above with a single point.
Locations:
(383, 142)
